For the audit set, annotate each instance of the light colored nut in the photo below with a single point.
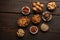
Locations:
(51, 5)
(20, 33)
(44, 27)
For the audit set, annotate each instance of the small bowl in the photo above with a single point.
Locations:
(36, 19)
(37, 7)
(23, 21)
(20, 33)
(35, 31)
(25, 10)
(46, 19)
(53, 7)
(44, 27)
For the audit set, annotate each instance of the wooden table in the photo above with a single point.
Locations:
(10, 12)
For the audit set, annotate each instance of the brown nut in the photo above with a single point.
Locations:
(36, 18)
(23, 21)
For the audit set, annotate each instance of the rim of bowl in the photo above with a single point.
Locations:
(24, 12)
(49, 18)
(33, 32)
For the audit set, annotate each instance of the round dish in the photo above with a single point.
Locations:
(36, 18)
(20, 33)
(25, 10)
(37, 6)
(33, 29)
(23, 21)
(46, 16)
(51, 5)
(44, 27)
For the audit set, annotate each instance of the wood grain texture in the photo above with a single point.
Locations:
(16, 5)
(10, 12)
(8, 28)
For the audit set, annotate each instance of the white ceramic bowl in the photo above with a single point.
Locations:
(33, 32)
(24, 12)
(44, 27)
(44, 18)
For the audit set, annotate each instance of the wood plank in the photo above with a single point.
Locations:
(8, 34)
(8, 28)
(8, 20)
(54, 0)
(15, 6)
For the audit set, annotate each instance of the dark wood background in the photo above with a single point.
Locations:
(10, 12)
